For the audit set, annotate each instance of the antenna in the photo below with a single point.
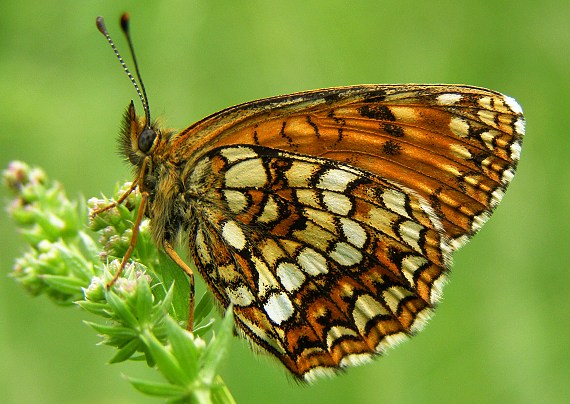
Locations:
(125, 28)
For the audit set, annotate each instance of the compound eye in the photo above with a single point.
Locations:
(146, 139)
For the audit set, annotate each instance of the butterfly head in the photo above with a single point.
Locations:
(137, 139)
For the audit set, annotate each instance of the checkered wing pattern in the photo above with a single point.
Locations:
(328, 218)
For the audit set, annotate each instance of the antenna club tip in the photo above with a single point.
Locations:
(100, 25)
(125, 19)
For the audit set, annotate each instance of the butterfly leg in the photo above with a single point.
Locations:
(133, 242)
(176, 258)
(96, 212)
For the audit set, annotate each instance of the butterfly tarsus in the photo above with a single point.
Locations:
(122, 198)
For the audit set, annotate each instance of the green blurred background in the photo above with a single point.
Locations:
(502, 333)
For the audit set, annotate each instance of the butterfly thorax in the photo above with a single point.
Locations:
(158, 174)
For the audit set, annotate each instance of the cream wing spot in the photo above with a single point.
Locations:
(236, 200)
(314, 235)
(393, 296)
(233, 154)
(311, 262)
(266, 282)
(279, 308)
(308, 197)
(290, 276)
(202, 248)
(336, 332)
(300, 174)
(485, 102)
(270, 211)
(246, 174)
(488, 137)
(487, 117)
(460, 151)
(345, 254)
(337, 203)
(322, 219)
(380, 219)
(410, 265)
(410, 234)
(240, 296)
(448, 98)
(459, 127)
(365, 309)
(395, 201)
(353, 232)
(271, 251)
(335, 180)
(233, 234)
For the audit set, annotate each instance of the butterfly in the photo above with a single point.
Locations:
(327, 218)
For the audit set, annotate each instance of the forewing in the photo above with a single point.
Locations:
(457, 146)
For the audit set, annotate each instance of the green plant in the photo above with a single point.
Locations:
(71, 258)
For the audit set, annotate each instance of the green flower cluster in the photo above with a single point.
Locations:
(71, 259)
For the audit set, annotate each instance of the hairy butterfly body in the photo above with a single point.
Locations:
(328, 217)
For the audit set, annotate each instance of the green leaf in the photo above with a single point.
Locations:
(217, 347)
(166, 362)
(64, 284)
(172, 274)
(90, 247)
(157, 389)
(203, 329)
(143, 300)
(203, 308)
(113, 330)
(121, 310)
(163, 307)
(75, 263)
(221, 394)
(70, 267)
(183, 348)
(99, 309)
(126, 352)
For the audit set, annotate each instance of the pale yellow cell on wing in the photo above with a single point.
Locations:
(395, 201)
(270, 211)
(393, 296)
(335, 180)
(300, 174)
(336, 332)
(354, 232)
(311, 262)
(246, 174)
(337, 203)
(366, 308)
(315, 236)
(410, 234)
(233, 154)
(290, 275)
(459, 127)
